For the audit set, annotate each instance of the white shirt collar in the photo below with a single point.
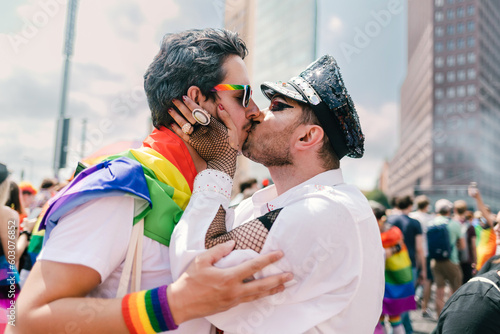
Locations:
(267, 199)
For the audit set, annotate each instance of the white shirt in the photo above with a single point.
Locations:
(331, 243)
(96, 235)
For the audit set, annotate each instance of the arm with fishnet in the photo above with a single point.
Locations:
(251, 235)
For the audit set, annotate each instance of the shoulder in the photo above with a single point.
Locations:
(326, 201)
(415, 223)
(394, 219)
(330, 213)
(7, 213)
(455, 225)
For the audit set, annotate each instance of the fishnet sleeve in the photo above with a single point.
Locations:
(251, 235)
(212, 144)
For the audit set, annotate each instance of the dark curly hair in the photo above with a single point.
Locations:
(189, 58)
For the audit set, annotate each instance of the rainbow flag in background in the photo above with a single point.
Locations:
(37, 236)
(159, 176)
(485, 244)
(399, 289)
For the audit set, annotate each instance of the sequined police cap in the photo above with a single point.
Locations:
(322, 88)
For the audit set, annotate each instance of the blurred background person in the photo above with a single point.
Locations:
(424, 217)
(28, 193)
(399, 288)
(467, 255)
(412, 232)
(247, 189)
(9, 224)
(47, 190)
(475, 307)
(446, 269)
(24, 228)
(485, 237)
(14, 201)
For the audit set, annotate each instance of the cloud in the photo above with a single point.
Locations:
(28, 96)
(335, 24)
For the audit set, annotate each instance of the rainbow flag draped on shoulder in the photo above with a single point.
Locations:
(399, 289)
(159, 176)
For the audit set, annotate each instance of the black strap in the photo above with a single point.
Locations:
(268, 219)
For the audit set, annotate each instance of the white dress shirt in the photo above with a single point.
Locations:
(331, 243)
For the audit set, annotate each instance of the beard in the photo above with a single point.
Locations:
(271, 149)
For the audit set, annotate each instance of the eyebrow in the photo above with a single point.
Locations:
(283, 97)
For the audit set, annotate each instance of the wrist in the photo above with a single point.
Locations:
(148, 311)
(27, 233)
(176, 310)
(224, 167)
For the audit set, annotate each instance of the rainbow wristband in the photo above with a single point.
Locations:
(147, 312)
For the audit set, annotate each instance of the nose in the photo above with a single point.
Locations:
(260, 117)
(252, 111)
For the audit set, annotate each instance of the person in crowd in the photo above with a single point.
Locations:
(485, 238)
(399, 289)
(413, 237)
(474, 308)
(9, 234)
(467, 255)
(125, 208)
(15, 202)
(28, 193)
(326, 227)
(447, 270)
(47, 191)
(247, 189)
(424, 217)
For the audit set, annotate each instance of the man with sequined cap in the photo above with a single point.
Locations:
(324, 226)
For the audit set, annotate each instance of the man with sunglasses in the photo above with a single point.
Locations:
(90, 223)
(325, 227)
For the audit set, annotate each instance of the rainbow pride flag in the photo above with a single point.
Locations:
(159, 176)
(399, 289)
(485, 244)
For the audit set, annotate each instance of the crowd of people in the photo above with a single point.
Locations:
(447, 244)
(152, 236)
(21, 207)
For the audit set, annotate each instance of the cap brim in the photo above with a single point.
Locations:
(269, 89)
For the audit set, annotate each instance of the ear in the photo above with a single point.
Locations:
(309, 137)
(195, 94)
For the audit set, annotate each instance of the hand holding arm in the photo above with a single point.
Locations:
(53, 298)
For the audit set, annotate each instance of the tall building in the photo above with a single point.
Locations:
(281, 39)
(450, 101)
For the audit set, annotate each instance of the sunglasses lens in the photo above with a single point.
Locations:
(247, 96)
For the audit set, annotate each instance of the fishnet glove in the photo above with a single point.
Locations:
(251, 235)
(212, 144)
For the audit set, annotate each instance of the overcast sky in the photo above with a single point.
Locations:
(117, 39)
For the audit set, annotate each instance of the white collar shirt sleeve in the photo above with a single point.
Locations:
(331, 243)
